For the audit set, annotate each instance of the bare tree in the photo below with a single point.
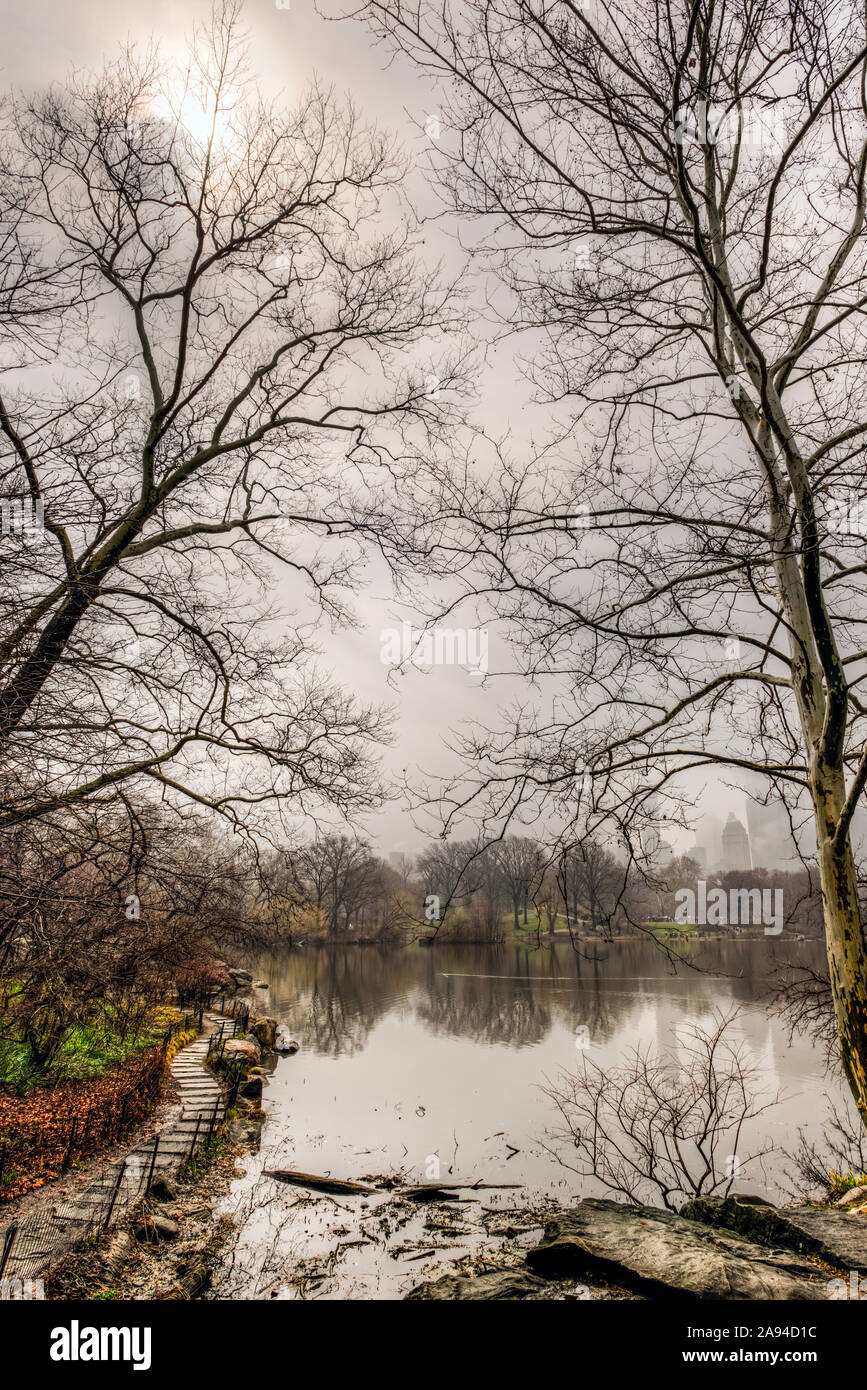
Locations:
(674, 194)
(343, 877)
(451, 870)
(219, 373)
(671, 1127)
(592, 883)
(520, 862)
(103, 915)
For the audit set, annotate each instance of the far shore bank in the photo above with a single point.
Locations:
(530, 939)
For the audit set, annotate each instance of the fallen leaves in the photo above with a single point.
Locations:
(51, 1127)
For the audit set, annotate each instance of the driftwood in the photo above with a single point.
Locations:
(320, 1184)
(438, 1191)
(421, 1192)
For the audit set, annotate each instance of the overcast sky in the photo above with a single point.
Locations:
(43, 38)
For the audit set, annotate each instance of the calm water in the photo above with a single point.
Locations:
(415, 1057)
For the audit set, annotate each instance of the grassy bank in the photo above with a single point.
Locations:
(101, 1087)
(87, 1050)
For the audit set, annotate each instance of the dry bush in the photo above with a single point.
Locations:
(663, 1128)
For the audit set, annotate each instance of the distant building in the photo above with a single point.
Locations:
(735, 845)
(708, 836)
(658, 852)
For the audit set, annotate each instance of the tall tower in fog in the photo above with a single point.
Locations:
(735, 844)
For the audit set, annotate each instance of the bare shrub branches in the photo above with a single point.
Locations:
(667, 1127)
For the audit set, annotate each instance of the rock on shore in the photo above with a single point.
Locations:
(838, 1237)
(501, 1284)
(665, 1255)
(264, 1030)
(716, 1248)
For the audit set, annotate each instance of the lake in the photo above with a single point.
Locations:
(432, 1062)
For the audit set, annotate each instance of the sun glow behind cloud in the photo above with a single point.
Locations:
(206, 120)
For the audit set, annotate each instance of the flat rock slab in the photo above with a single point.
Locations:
(839, 1237)
(506, 1284)
(665, 1256)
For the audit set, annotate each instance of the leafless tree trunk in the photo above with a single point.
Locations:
(674, 193)
(519, 861)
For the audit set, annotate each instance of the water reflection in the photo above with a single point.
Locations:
(419, 1056)
(333, 998)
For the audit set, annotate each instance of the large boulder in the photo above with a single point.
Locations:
(247, 1048)
(264, 1030)
(755, 1218)
(245, 1131)
(839, 1237)
(665, 1256)
(241, 977)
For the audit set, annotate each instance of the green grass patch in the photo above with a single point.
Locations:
(838, 1183)
(86, 1052)
(196, 1167)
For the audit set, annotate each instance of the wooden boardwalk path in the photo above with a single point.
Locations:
(29, 1247)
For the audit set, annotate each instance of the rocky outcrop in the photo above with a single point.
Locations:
(664, 1255)
(752, 1217)
(264, 1030)
(247, 1048)
(246, 1131)
(838, 1237)
(505, 1284)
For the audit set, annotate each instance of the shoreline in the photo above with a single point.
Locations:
(178, 1241)
(719, 1249)
(167, 1248)
(551, 939)
(170, 1243)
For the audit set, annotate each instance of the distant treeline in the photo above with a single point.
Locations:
(336, 886)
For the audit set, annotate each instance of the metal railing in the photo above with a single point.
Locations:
(27, 1246)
